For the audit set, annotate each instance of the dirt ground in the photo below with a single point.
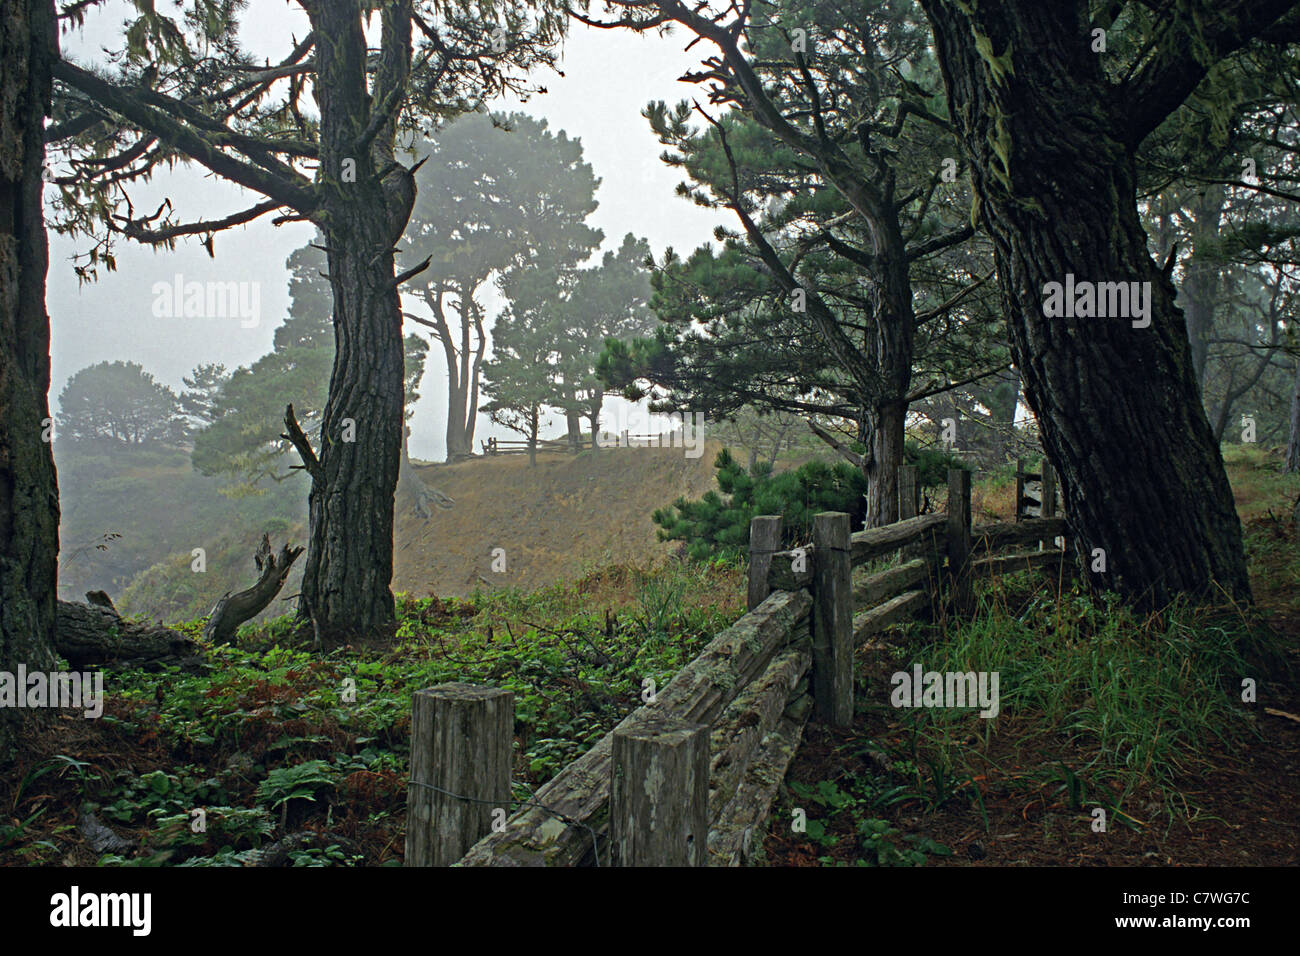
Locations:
(567, 515)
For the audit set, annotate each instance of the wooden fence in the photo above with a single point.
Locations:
(689, 778)
(1035, 492)
(512, 446)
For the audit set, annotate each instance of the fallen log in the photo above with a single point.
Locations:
(91, 634)
(234, 609)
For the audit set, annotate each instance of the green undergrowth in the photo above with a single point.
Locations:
(276, 739)
(1099, 701)
(1099, 707)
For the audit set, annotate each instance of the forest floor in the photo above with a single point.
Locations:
(274, 750)
(303, 758)
(1200, 786)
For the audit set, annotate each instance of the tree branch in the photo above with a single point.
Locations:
(1192, 38)
(124, 102)
(299, 441)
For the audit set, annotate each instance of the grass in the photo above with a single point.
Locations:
(1113, 703)
(1101, 708)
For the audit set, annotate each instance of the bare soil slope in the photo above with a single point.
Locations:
(568, 513)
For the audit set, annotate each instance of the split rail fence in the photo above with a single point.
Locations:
(513, 446)
(689, 779)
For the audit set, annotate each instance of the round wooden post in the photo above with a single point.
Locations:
(462, 742)
(764, 541)
(832, 669)
(659, 793)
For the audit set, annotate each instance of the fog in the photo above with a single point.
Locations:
(609, 77)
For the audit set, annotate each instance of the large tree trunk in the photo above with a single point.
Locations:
(349, 566)
(1119, 408)
(885, 457)
(29, 498)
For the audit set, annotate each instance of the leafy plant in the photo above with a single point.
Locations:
(302, 782)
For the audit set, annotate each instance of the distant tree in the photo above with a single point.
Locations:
(201, 390)
(608, 300)
(119, 402)
(520, 378)
(494, 191)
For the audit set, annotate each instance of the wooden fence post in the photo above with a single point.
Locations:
(1049, 490)
(908, 499)
(764, 541)
(659, 793)
(832, 668)
(1020, 487)
(462, 741)
(959, 535)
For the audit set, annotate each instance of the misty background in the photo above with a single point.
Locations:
(609, 78)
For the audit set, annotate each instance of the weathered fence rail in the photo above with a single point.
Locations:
(689, 778)
(520, 446)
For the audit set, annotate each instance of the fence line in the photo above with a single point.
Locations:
(718, 740)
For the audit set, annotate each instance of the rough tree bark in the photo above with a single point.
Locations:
(1052, 145)
(234, 609)
(349, 568)
(29, 498)
(886, 457)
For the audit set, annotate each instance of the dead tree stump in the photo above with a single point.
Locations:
(234, 609)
